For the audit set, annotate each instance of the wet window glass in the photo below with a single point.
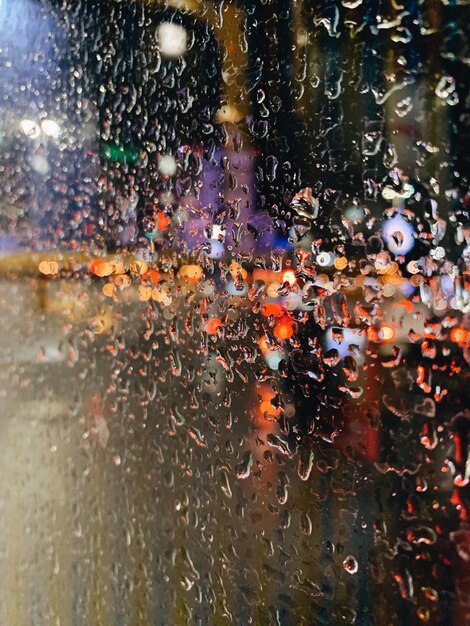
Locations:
(234, 266)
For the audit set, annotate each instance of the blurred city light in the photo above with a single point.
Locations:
(172, 39)
(50, 128)
(167, 165)
(398, 234)
(30, 128)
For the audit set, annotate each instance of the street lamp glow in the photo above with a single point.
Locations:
(172, 39)
(30, 128)
(167, 165)
(50, 128)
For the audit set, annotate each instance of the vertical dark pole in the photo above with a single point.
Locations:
(274, 126)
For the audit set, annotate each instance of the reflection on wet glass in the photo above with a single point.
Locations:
(235, 343)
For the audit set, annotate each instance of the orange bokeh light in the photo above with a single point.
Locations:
(263, 345)
(192, 273)
(384, 334)
(284, 329)
(288, 276)
(459, 335)
(271, 309)
(388, 333)
(265, 413)
(212, 326)
(163, 221)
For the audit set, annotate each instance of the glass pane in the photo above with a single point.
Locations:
(234, 248)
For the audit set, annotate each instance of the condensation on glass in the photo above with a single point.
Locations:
(234, 264)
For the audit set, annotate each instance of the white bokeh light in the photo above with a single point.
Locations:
(398, 234)
(325, 259)
(167, 165)
(40, 164)
(172, 39)
(50, 128)
(351, 337)
(30, 128)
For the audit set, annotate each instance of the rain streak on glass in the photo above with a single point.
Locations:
(234, 260)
